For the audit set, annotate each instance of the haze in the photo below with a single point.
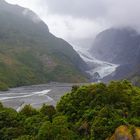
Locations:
(78, 21)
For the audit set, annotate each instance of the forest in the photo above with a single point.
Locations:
(90, 112)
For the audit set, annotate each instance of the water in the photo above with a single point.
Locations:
(35, 95)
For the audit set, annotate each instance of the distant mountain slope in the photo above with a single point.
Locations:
(30, 54)
(120, 46)
(134, 76)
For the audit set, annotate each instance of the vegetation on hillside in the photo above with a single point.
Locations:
(3, 87)
(90, 112)
(30, 54)
(135, 76)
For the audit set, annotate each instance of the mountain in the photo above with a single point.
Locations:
(119, 46)
(30, 54)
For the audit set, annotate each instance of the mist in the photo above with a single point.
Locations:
(80, 21)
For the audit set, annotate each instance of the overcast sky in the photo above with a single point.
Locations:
(78, 21)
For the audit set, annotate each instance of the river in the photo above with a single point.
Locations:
(35, 95)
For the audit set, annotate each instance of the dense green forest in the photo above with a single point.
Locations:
(90, 112)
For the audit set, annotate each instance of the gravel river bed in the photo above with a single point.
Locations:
(35, 95)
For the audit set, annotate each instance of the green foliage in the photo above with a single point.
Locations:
(25, 137)
(1, 106)
(3, 86)
(45, 132)
(57, 130)
(91, 112)
(33, 124)
(9, 124)
(8, 118)
(10, 133)
(103, 107)
(136, 106)
(28, 111)
(48, 110)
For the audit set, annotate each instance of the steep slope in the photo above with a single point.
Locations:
(30, 54)
(119, 46)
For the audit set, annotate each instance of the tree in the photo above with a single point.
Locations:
(28, 111)
(45, 131)
(33, 124)
(48, 110)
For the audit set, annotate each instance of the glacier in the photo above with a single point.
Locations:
(102, 68)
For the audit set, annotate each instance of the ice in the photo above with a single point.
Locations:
(102, 67)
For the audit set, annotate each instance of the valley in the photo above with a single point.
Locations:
(85, 88)
(35, 95)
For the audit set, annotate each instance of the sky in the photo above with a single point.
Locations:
(79, 21)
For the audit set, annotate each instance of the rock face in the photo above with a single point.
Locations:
(30, 54)
(126, 133)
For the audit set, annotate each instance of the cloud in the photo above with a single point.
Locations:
(80, 20)
(124, 13)
(75, 28)
(33, 17)
(114, 12)
(78, 8)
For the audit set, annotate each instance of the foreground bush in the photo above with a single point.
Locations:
(3, 86)
(91, 112)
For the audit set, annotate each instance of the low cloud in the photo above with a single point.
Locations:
(78, 20)
(33, 17)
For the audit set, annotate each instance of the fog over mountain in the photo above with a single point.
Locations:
(120, 46)
(78, 20)
(81, 23)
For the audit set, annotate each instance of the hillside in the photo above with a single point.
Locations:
(30, 54)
